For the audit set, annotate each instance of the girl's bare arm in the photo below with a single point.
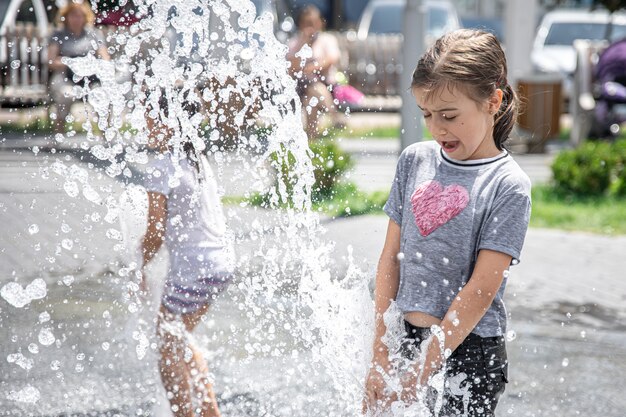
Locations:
(155, 232)
(469, 306)
(386, 290)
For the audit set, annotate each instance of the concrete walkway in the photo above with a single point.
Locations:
(567, 299)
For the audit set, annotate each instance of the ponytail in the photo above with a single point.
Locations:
(505, 117)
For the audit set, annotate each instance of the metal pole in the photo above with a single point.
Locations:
(412, 48)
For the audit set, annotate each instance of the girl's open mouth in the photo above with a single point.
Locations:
(450, 146)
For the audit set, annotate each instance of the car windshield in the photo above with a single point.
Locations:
(388, 19)
(567, 33)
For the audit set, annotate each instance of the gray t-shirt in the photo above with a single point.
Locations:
(448, 211)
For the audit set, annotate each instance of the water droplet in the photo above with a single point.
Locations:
(114, 234)
(44, 317)
(55, 365)
(446, 261)
(67, 244)
(28, 394)
(65, 228)
(456, 322)
(68, 280)
(583, 334)
(511, 335)
(400, 256)
(105, 345)
(18, 297)
(20, 360)
(46, 338)
(71, 188)
(565, 362)
(33, 348)
(419, 256)
(15, 64)
(506, 273)
(33, 229)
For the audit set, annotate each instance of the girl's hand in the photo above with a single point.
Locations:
(375, 396)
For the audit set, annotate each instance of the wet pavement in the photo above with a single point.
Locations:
(85, 346)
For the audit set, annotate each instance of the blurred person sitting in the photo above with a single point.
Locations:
(76, 38)
(315, 74)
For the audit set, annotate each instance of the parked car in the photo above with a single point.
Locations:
(23, 67)
(386, 17)
(553, 50)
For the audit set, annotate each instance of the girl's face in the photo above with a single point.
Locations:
(310, 23)
(76, 20)
(462, 127)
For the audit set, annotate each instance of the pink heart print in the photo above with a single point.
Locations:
(433, 205)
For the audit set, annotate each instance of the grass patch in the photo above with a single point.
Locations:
(375, 132)
(343, 201)
(552, 209)
(347, 200)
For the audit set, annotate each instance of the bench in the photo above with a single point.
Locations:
(23, 68)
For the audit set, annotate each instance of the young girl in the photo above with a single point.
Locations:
(459, 209)
(318, 72)
(185, 212)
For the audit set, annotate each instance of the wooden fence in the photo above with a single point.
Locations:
(373, 65)
(23, 67)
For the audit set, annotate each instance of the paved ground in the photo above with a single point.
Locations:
(566, 298)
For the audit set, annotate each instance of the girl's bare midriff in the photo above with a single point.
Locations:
(419, 319)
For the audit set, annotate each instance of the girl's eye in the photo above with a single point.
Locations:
(446, 117)
(426, 115)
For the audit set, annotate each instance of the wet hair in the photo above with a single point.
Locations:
(189, 107)
(82, 6)
(474, 62)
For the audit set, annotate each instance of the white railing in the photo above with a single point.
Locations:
(23, 67)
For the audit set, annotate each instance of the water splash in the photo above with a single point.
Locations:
(18, 296)
(288, 310)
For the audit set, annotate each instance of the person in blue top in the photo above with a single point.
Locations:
(459, 209)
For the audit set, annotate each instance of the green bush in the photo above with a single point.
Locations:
(594, 168)
(330, 163)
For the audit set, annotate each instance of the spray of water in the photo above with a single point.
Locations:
(294, 338)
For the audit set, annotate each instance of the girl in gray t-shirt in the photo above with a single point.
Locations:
(459, 209)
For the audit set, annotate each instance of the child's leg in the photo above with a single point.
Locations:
(198, 369)
(174, 373)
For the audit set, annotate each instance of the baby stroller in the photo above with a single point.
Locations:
(610, 91)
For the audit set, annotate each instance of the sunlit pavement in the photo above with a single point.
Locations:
(567, 298)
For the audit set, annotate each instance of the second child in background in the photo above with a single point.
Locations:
(185, 213)
(315, 75)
